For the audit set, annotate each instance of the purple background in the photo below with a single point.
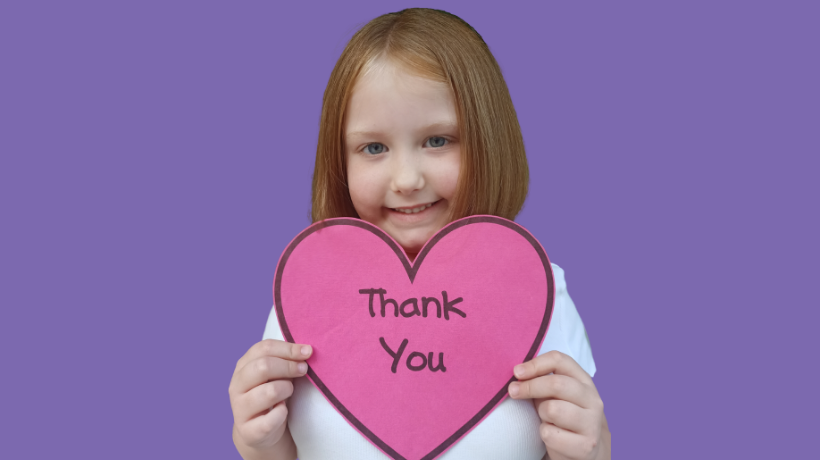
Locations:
(156, 158)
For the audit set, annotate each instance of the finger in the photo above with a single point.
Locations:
(265, 430)
(261, 399)
(277, 349)
(264, 369)
(567, 443)
(552, 362)
(565, 415)
(556, 386)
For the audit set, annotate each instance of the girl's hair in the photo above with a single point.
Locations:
(440, 46)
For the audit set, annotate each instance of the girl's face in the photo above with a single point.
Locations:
(403, 154)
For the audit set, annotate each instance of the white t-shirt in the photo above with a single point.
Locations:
(509, 431)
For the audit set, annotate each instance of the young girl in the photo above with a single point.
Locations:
(418, 129)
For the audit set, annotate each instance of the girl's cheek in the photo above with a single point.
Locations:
(364, 193)
(448, 177)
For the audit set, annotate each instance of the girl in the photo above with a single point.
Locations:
(418, 129)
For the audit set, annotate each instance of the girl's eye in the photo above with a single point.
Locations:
(437, 141)
(377, 151)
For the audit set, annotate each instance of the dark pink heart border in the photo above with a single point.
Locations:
(412, 269)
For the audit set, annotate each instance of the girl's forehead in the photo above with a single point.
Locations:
(378, 96)
(388, 97)
(384, 69)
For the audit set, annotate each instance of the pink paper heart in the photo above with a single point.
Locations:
(499, 291)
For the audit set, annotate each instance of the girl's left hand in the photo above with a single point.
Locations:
(573, 425)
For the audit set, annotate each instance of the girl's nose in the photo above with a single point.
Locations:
(407, 175)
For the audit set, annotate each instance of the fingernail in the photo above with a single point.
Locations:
(306, 350)
(519, 370)
(302, 367)
(513, 389)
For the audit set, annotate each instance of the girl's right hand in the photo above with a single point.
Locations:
(259, 387)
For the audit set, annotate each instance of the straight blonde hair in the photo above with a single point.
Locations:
(440, 46)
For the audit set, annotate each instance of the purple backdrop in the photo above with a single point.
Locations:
(156, 158)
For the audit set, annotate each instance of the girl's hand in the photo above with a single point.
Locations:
(259, 387)
(573, 425)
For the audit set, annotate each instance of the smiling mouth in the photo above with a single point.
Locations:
(414, 210)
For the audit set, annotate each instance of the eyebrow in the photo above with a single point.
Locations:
(437, 125)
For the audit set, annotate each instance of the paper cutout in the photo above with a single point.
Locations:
(415, 355)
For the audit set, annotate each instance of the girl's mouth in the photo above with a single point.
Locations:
(414, 210)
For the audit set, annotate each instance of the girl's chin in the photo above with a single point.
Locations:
(411, 238)
(412, 246)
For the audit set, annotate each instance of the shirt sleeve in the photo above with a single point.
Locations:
(272, 330)
(566, 332)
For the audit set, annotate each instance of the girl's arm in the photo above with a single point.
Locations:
(607, 442)
(285, 449)
(259, 389)
(573, 425)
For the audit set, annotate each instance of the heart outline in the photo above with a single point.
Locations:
(412, 269)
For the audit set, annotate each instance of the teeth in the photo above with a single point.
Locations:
(414, 210)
